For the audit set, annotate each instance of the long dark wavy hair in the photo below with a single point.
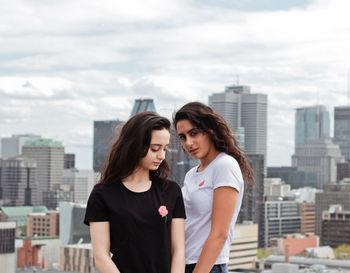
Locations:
(204, 118)
(131, 146)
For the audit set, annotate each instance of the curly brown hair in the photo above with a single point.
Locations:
(204, 118)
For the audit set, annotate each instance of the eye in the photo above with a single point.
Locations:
(154, 149)
(194, 133)
(182, 137)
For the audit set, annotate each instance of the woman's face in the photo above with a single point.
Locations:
(156, 152)
(193, 140)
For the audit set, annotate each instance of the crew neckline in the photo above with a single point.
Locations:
(196, 170)
(136, 192)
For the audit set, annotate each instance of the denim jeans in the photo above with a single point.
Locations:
(218, 268)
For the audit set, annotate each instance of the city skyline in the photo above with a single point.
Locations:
(61, 70)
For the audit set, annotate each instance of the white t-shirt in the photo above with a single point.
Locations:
(198, 194)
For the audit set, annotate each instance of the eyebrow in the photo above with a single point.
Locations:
(159, 145)
(189, 131)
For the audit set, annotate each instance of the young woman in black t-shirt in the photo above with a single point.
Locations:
(134, 212)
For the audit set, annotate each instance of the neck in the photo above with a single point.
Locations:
(208, 159)
(138, 176)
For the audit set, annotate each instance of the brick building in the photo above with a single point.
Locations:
(43, 224)
(28, 254)
(308, 220)
(295, 243)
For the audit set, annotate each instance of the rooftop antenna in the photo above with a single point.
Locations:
(237, 78)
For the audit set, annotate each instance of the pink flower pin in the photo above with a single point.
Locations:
(163, 212)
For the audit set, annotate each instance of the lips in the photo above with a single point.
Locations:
(193, 151)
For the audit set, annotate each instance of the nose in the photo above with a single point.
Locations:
(188, 143)
(161, 154)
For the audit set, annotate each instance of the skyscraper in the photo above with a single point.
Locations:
(18, 185)
(246, 113)
(342, 129)
(49, 156)
(12, 146)
(311, 123)
(320, 156)
(143, 105)
(105, 133)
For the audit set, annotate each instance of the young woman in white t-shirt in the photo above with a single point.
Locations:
(213, 190)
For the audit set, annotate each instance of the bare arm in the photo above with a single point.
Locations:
(177, 245)
(100, 239)
(224, 204)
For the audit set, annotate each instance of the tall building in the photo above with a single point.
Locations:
(333, 194)
(295, 178)
(143, 105)
(246, 113)
(72, 227)
(49, 156)
(320, 156)
(7, 247)
(69, 161)
(179, 162)
(253, 194)
(343, 170)
(18, 184)
(105, 133)
(12, 146)
(335, 227)
(311, 123)
(80, 183)
(342, 129)
(278, 218)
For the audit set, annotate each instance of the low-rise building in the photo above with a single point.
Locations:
(43, 224)
(77, 258)
(293, 243)
(244, 246)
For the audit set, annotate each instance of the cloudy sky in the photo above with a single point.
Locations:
(64, 64)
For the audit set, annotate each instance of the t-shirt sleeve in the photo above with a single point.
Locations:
(227, 173)
(96, 209)
(179, 207)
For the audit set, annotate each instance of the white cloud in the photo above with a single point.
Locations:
(64, 64)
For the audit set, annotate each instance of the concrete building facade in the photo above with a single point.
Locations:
(18, 182)
(77, 258)
(12, 146)
(308, 217)
(244, 246)
(72, 227)
(335, 227)
(278, 218)
(320, 156)
(332, 194)
(342, 129)
(105, 133)
(294, 244)
(49, 156)
(246, 113)
(7, 247)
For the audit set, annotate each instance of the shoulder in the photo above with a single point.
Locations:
(226, 161)
(102, 189)
(173, 186)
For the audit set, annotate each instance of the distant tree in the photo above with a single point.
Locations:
(262, 253)
(342, 252)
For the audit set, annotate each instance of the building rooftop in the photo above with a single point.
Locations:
(23, 210)
(43, 142)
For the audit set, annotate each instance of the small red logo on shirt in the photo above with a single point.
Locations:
(201, 184)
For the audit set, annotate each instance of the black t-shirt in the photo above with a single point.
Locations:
(139, 236)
